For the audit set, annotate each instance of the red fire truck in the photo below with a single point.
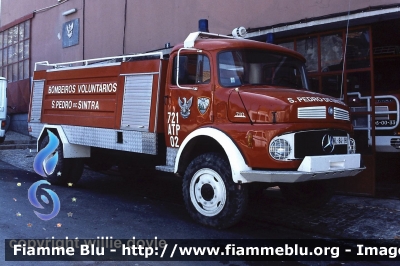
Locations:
(387, 114)
(223, 113)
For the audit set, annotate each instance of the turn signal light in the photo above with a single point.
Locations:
(249, 139)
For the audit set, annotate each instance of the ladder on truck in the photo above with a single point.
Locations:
(100, 61)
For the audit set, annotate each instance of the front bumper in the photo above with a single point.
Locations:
(387, 143)
(312, 168)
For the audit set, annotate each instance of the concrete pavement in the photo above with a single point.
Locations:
(343, 217)
(15, 140)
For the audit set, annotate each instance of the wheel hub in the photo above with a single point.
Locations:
(208, 192)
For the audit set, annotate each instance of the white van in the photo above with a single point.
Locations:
(3, 108)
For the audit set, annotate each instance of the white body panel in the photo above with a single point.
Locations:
(384, 143)
(295, 176)
(77, 140)
(330, 163)
(69, 150)
(312, 167)
(234, 156)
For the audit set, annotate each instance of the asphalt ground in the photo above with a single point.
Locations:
(344, 217)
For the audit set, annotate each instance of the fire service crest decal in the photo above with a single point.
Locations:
(185, 106)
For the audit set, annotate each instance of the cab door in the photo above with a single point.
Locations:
(188, 95)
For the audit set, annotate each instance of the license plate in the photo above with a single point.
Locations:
(340, 140)
(385, 123)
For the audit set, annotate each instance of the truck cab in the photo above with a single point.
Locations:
(241, 110)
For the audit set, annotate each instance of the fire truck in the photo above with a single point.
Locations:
(383, 124)
(386, 122)
(226, 114)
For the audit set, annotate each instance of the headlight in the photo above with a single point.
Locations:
(279, 149)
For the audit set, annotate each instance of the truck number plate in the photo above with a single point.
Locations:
(385, 123)
(340, 140)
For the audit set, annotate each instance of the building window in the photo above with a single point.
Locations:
(332, 52)
(289, 45)
(309, 49)
(324, 53)
(357, 54)
(15, 52)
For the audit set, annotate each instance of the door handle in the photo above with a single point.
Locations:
(166, 99)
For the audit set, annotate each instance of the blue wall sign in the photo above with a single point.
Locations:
(70, 33)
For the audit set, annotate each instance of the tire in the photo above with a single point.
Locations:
(313, 194)
(2, 139)
(67, 170)
(210, 195)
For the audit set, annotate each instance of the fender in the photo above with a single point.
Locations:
(69, 150)
(235, 158)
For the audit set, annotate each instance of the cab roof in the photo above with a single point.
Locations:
(208, 44)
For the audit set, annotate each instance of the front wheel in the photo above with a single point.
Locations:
(211, 197)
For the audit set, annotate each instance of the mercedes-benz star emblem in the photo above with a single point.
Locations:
(328, 144)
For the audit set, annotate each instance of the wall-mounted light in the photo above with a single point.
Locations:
(69, 12)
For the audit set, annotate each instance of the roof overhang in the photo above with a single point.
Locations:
(306, 26)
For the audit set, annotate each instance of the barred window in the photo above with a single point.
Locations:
(15, 52)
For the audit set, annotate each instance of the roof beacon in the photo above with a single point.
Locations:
(239, 32)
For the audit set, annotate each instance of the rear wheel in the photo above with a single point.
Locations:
(210, 195)
(67, 170)
(313, 194)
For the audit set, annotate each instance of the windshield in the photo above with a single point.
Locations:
(259, 67)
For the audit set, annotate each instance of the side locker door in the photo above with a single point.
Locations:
(189, 98)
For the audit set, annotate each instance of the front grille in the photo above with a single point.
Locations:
(339, 113)
(395, 143)
(319, 112)
(311, 112)
(309, 143)
(381, 116)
